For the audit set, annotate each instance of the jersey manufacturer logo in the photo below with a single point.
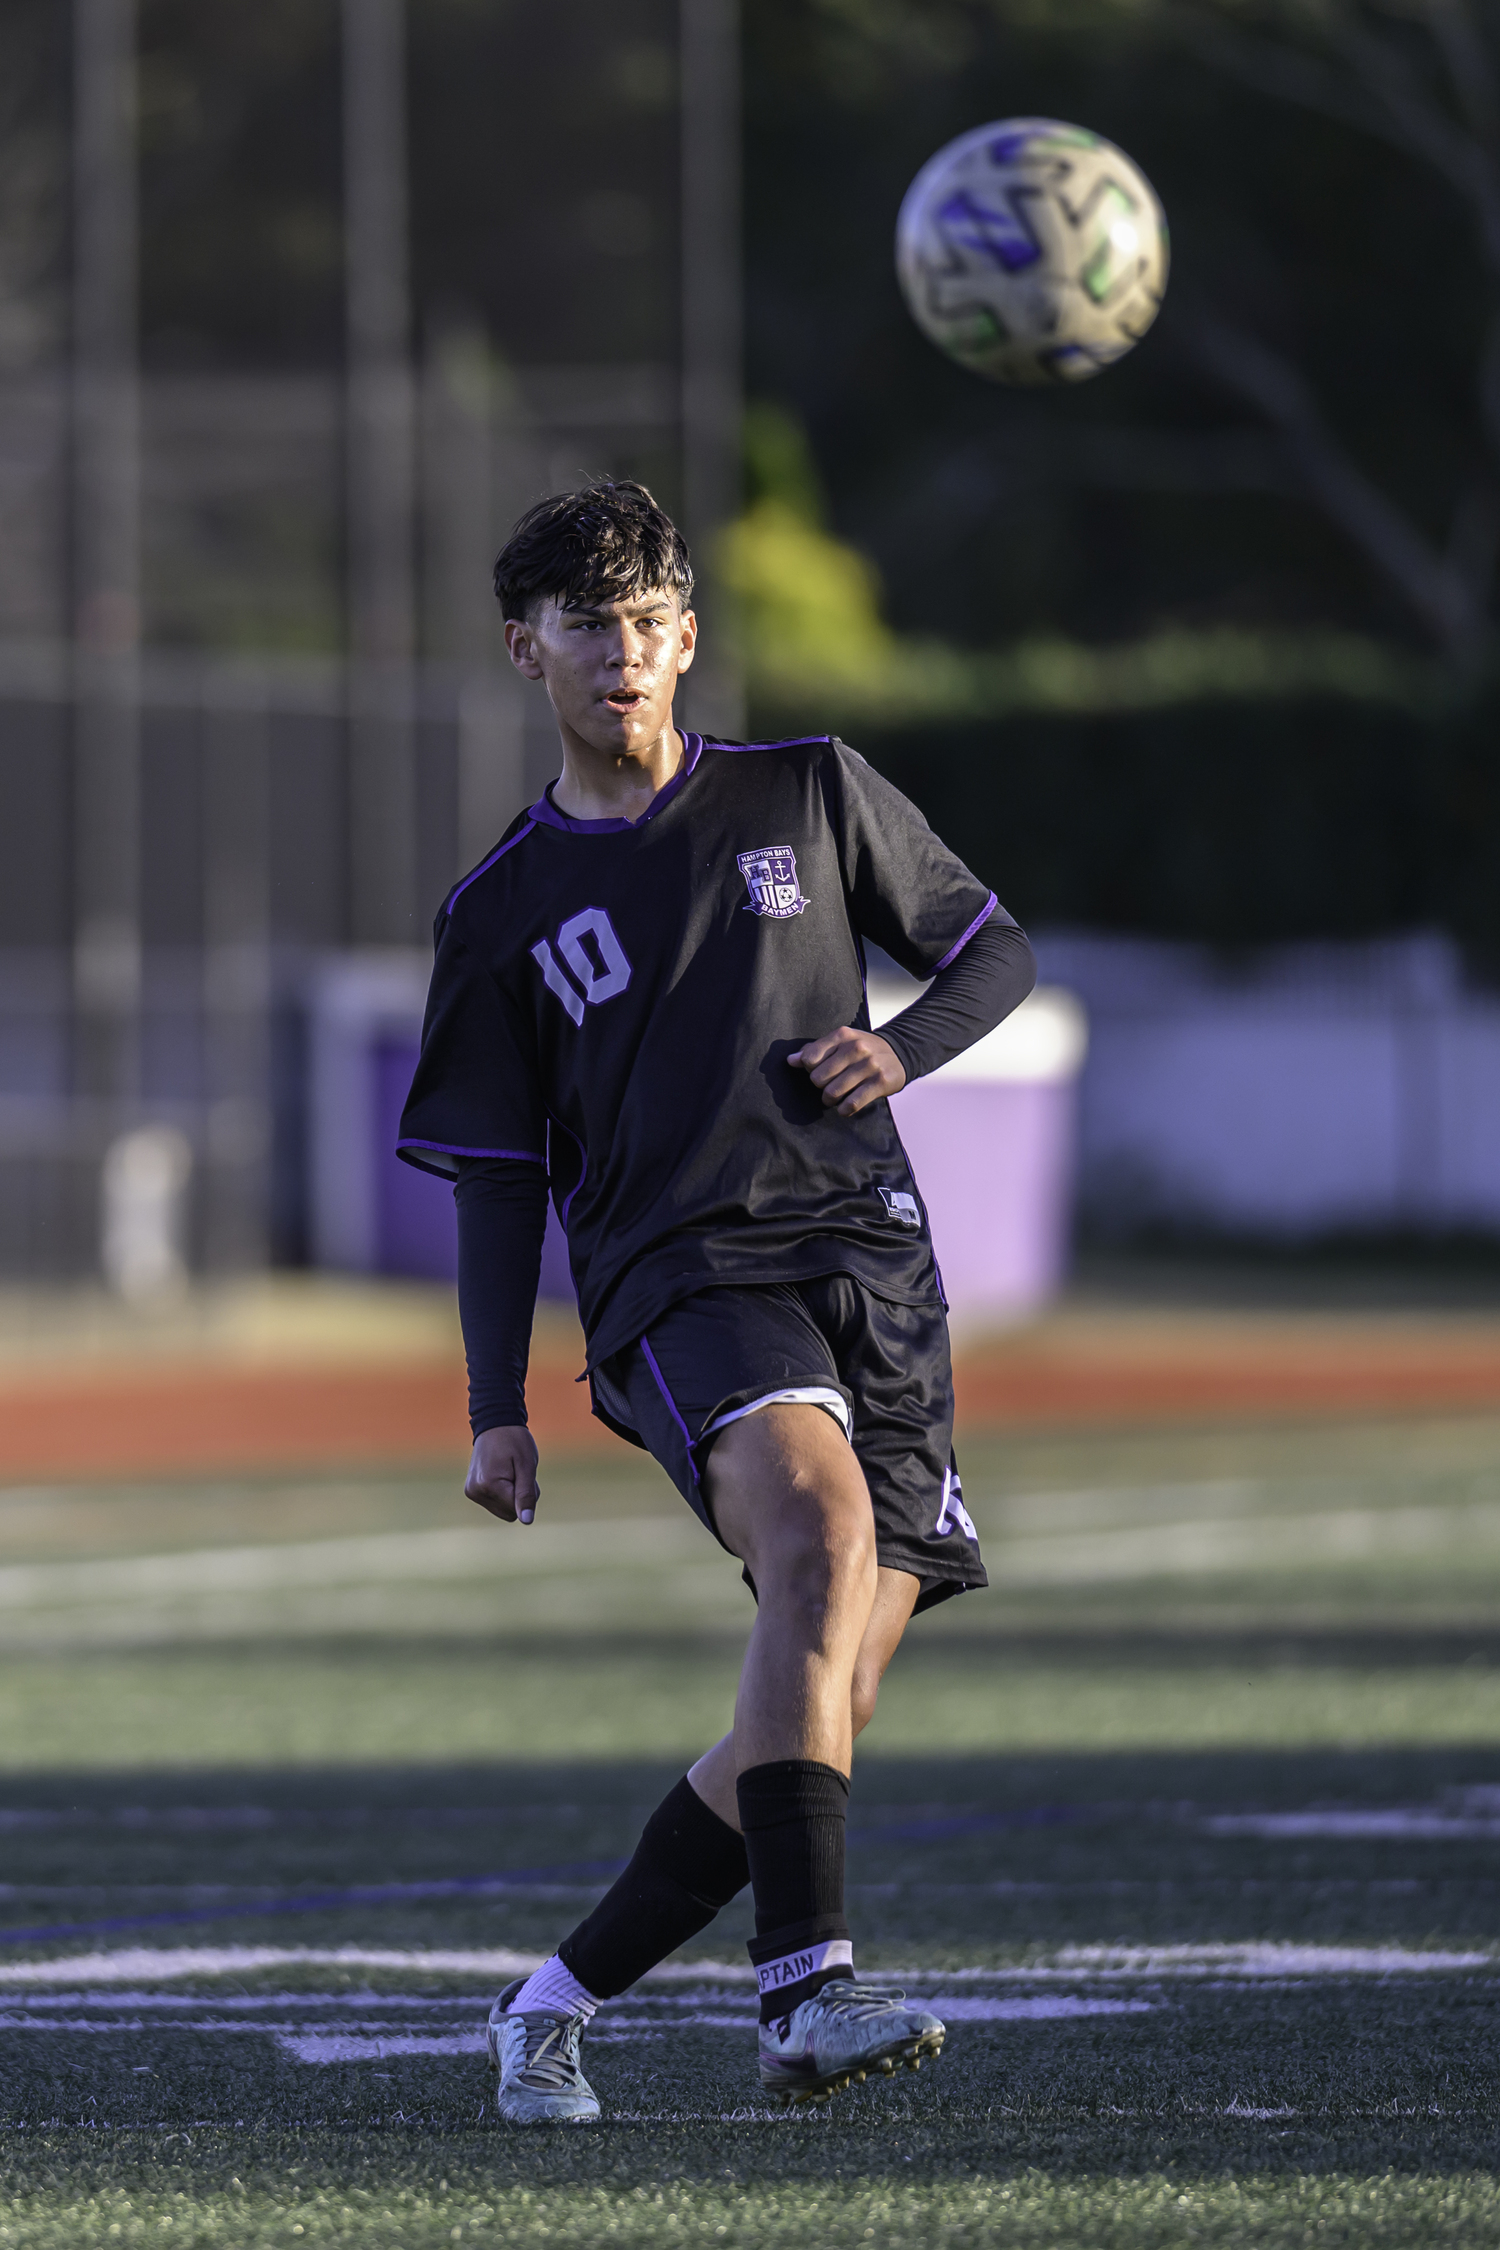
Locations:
(771, 879)
(601, 968)
(901, 1207)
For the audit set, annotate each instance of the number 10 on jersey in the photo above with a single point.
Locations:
(600, 967)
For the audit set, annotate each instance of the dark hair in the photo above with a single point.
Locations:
(603, 543)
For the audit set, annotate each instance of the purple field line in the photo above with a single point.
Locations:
(471, 1886)
(383, 1894)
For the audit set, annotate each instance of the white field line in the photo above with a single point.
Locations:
(1255, 1543)
(140, 1964)
(1100, 1506)
(119, 2013)
(395, 1557)
(309, 2040)
(145, 1966)
(342, 2046)
(1403, 1823)
(1265, 1543)
(369, 2008)
(1260, 1960)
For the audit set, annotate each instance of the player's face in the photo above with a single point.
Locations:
(611, 668)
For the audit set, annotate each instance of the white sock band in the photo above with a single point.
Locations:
(555, 1991)
(791, 1968)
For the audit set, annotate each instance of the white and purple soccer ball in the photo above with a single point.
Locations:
(1032, 251)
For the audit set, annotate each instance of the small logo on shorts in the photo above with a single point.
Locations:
(771, 879)
(901, 1207)
(953, 1516)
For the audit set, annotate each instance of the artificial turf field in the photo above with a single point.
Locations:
(1189, 1829)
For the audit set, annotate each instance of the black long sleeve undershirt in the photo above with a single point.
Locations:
(502, 1217)
(990, 978)
(502, 1203)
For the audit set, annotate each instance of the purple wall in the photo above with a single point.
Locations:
(995, 1166)
(415, 1231)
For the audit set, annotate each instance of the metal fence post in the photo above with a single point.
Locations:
(712, 337)
(380, 471)
(105, 515)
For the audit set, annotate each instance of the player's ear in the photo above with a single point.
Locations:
(689, 641)
(520, 642)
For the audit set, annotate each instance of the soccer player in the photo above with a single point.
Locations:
(650, 996)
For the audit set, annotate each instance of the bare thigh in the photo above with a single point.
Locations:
(788, 1496)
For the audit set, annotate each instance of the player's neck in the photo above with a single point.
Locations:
(614, 785)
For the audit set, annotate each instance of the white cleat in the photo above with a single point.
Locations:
(846, 2031)
(536, 2055)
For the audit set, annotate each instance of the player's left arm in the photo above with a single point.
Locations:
(991, 976)
(917, 900)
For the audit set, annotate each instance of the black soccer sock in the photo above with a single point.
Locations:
(687, 1865)
(792, 1813)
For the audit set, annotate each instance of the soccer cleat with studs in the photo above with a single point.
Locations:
(847, 2032)
(536, 2056)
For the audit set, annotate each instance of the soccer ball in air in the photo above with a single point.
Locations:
(1032, 252)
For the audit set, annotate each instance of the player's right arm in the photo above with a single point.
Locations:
(501, 1206)
(475, 1116)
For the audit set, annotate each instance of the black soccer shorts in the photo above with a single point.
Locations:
(882, 1370)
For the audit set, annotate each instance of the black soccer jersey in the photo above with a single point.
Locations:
(617, 999)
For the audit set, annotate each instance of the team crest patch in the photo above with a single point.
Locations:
(771, 879)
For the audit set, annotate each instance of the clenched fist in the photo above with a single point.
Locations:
(502, 1474)
(850, 1069)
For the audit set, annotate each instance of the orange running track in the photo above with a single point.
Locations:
(186, 1417)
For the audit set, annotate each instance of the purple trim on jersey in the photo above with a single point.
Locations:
(447, 1148)
(661, 1384)
(583, 1169)
(485, 864)
(978, 923)
(788, 742)
(548, 815)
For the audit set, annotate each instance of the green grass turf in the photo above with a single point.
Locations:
(256, 1704)
(214, 1750)
(374, 2188)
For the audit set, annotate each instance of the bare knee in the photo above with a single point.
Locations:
(822, 1564)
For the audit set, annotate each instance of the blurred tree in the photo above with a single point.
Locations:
(814, 631)
(809, 606)
(1420, 77)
